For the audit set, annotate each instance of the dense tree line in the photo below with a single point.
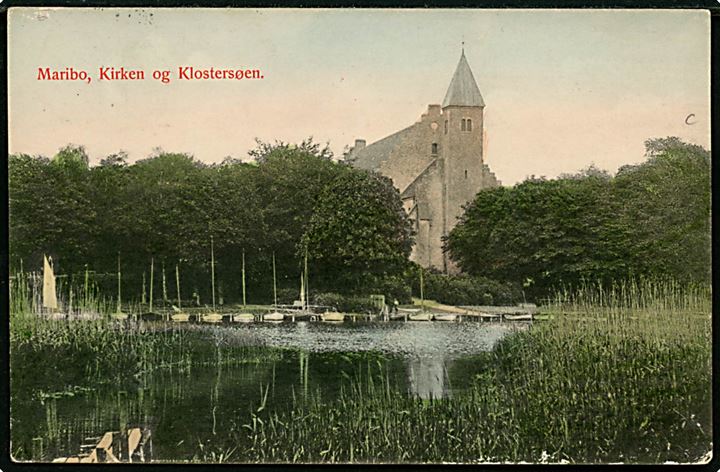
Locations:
(649, 220)
(290, 200)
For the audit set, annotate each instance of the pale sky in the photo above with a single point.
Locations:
(563, 89)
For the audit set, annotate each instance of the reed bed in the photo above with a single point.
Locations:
(70, 354)
(621, 374)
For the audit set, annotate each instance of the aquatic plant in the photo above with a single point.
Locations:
(620, 374)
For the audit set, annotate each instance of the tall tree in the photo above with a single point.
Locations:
(649, 220)
(359, 233)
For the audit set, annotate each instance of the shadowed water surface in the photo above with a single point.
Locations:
(189, 409)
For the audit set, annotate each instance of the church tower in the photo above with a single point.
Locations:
(462, 144)
(437, 164)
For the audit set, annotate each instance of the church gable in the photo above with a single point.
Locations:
(402, 156)
(372, 156)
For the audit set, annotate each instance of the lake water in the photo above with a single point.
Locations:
(189, 408)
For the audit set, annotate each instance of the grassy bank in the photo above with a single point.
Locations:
(619, 375)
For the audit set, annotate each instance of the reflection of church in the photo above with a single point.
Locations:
(437, 164)
(427, 377)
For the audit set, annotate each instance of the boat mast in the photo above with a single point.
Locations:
(243, 276)
(119, 302)
(212, 268)
(177, 283)
(307, 283)
(164, 284)
(152, 273)
(274, 281)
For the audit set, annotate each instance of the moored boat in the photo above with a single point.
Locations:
(523, 317)
(420, 317)
(180, 317)
(49, 300)
(332, 316)
(212, 318)
(243, 318)
(445, 317)
(274, 316)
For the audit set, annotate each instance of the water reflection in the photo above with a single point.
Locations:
(427, 376)
(199, 404)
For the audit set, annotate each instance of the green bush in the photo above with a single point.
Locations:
(286, 296)
(330, 299)
(394, 288)
(468, 290)
(345, 303)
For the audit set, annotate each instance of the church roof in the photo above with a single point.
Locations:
(410, 189)
(378, 152)
(463, 90)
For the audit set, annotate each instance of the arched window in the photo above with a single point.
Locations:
(469, 124)
(463, 124)
(466, 173)
(434, 148)
(446, 126)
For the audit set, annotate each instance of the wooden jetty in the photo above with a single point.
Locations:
(523, 309)
(113, 447)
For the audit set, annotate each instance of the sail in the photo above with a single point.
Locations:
(49, 294)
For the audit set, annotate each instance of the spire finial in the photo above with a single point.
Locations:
(463, 45)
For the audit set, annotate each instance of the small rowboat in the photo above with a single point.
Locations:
(212, 318)
(523, 317)
(274, 316)
(244, 318)
(180, 317)
(445, 317)
(332, 316)
(420, 317)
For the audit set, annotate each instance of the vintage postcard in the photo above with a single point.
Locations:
(359, 236)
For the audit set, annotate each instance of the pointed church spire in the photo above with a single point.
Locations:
(463, 90)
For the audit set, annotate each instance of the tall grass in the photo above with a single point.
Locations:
(92, 352)
(620, 374)
(78, 294)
